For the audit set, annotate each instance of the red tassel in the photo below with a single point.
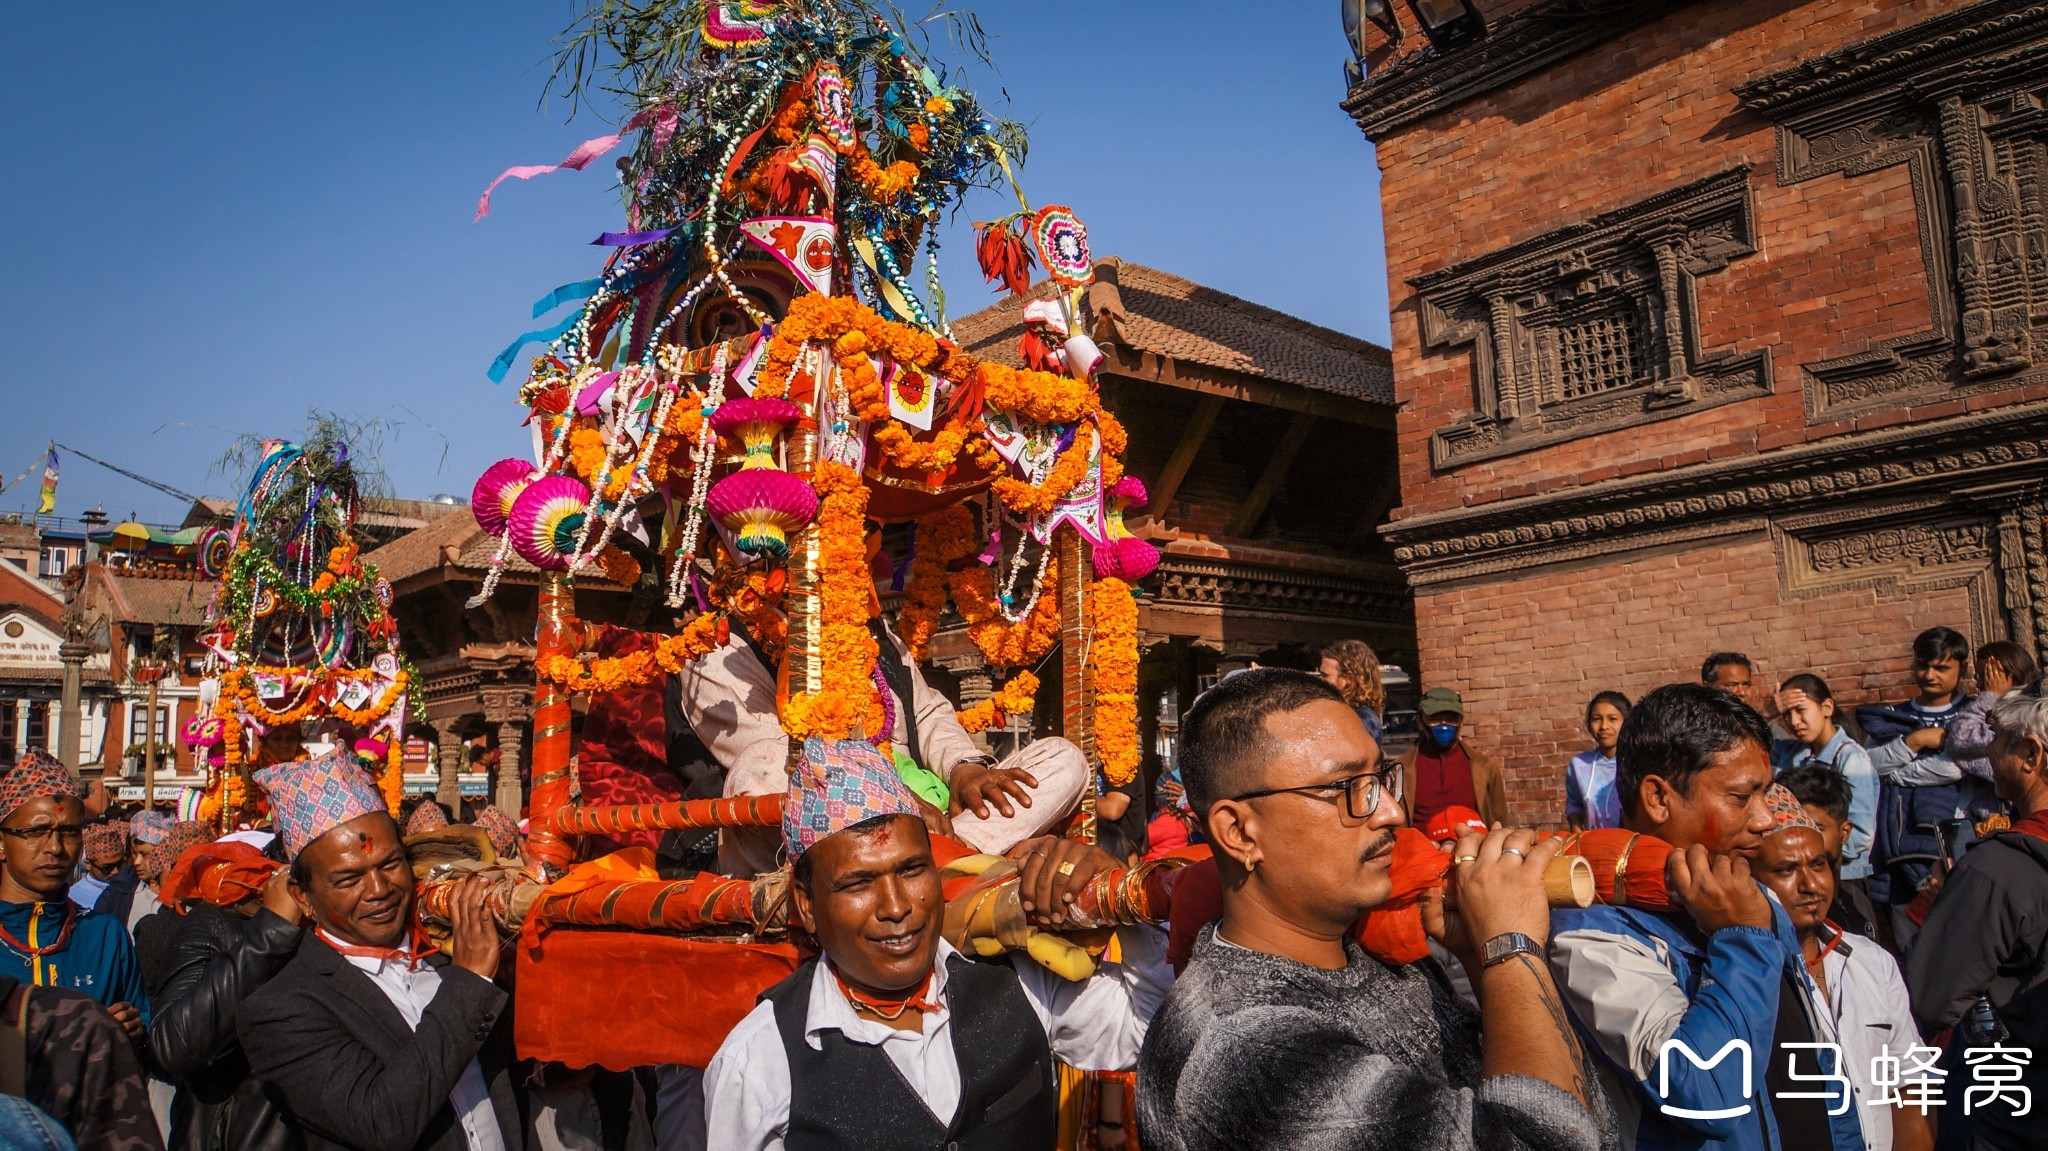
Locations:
(1037, 356)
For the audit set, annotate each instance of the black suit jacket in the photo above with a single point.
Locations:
(355, 1077)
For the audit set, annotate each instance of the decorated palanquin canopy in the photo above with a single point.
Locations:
(760, 378)
(761, 374)
(301, 645)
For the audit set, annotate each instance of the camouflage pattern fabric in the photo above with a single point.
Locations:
(83, 1071)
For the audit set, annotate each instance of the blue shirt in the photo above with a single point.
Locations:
(1845, 756)
(1591, 798)
(98, 961)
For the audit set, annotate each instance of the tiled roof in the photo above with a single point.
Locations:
(420, 550)
(1154, 311)
(168, 598)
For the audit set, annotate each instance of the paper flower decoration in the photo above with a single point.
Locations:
(205, 732)
(546, 519)
(1122, 555)
(496, 491)
(1062, 243)
(760, 506)
(216, 548)
(756, 423)
(833, 106)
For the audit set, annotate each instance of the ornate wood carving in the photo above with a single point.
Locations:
(1956, 98)
(1595, 326)
(1725, 497)
(1897, 549)
(1423, 83)
(1194, 581)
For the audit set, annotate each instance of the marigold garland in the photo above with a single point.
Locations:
(847, 697)
(667, 656)
(853, 333)
(942, 537)
(1113, 659)
(1003, 643)
(1014, 698)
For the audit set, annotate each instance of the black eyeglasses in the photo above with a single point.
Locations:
(1362, 792)
(70, 832)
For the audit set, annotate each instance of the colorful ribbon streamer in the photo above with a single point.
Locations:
(580, 290)
(503, 364)
(631, 239)
(662, 117)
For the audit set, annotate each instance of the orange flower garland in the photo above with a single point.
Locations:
(942, 537)
(619, 567)
(1003, 643)
(847, 699)
(391, 782)
(854, 332)
(1113, 658)
(669, 655)
(1013, 698)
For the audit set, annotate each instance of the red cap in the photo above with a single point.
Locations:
(1450, 823)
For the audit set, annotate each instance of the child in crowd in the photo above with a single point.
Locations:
(2003, 667)
(1807, 709)
(1590, 798)
(1923, 787)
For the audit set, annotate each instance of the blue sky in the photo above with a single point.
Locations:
(214, 214)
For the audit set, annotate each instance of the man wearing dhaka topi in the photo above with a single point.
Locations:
(373, 1041)
(892, 1039)
(728, 697)
(46, 939)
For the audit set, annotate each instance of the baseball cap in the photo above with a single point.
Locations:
(1441, 701)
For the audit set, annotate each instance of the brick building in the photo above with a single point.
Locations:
(1713, 328)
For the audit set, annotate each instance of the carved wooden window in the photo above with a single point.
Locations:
(1595, 326)
(1604, 348)
(1958, 99)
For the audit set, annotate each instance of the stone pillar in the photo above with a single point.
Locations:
(449, 792)
(72, 654)
(510, 795)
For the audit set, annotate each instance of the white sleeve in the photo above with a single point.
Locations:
(1099, 1024)
(747, 1087)
(1623, 991)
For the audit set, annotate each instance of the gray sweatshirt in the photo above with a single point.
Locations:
(1252, 1052)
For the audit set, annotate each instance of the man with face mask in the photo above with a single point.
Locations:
(1443, 771)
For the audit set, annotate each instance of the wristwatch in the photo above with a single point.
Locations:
(1510, 943)
(983, 760)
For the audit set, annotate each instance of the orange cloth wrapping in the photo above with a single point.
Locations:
(623, 889)
(739, 811)
(222, 874)
(1628, 867)
(1392, 932)
(664, 999)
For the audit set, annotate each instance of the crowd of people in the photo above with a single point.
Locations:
(1834, 935)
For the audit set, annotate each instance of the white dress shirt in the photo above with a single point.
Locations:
(1094, 1025)
(1873, 1016)
(410, 989)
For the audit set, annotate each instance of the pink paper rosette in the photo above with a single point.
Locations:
(546, 519)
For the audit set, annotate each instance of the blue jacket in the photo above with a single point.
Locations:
(1731, 988)
(97, 961)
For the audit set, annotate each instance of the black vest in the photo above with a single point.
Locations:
(848, 1095)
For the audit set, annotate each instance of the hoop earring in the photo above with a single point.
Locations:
(1251, 865)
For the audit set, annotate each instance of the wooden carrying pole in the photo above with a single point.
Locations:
(552, 750)
(1077, 683)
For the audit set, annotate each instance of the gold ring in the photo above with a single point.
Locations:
(1464, 859)
(1067, 868)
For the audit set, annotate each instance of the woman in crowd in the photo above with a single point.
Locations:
(1590, 799)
